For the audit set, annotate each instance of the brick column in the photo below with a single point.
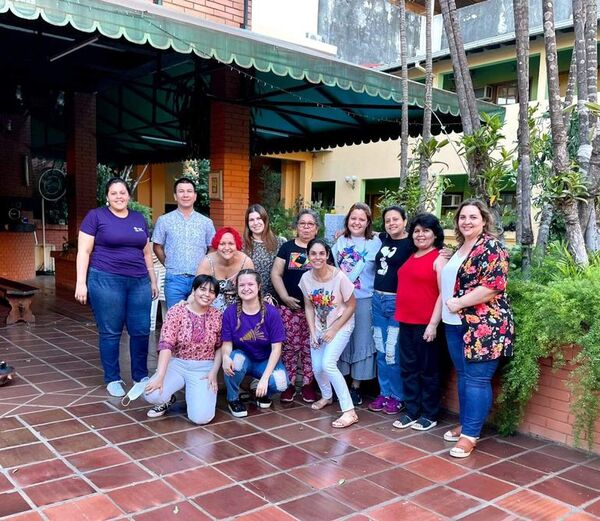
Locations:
(81, 158)
(230, 153)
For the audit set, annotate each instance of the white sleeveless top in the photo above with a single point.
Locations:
(449, 272)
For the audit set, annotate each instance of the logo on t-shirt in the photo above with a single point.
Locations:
(254, 334)
(298, 261)
(386, 253)
(138, 229)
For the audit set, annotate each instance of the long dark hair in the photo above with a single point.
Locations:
(365, 208)
(430, 222)
(269, 239)
(114, 181)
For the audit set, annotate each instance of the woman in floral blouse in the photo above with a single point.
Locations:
(189, 355)
(477, 317)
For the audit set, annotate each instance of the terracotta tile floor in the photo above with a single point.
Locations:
(69, 452)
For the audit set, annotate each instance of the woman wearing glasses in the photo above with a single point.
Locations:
(289, 266)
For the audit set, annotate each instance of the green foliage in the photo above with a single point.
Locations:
(498, 171)
(556, 308)
(197, 170)
(103, 174)
(409, 195)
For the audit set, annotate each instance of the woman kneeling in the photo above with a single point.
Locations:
(330, 303)
(252, 336)
(189, 355)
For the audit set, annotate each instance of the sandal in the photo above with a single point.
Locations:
(345, 420)
(463, 447)
(319, 404)
(453, 434)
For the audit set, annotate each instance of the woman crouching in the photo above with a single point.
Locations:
(252, 336)
(189, 355)
(329, 303)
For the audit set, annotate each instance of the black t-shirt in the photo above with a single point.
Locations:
(389, 258)
(296, 264)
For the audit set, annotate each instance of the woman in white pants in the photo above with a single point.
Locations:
(329, 304)
(189, 355)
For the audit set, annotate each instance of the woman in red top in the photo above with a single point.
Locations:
(419, 310)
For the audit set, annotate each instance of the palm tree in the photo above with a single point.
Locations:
(425, 162)
(561, 166)
(464, 90)
(404, 123)
(525, 232)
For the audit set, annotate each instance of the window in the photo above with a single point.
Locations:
(323, 192)
(451, 202)
(507, 93)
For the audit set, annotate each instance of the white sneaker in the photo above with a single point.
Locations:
(116, 388)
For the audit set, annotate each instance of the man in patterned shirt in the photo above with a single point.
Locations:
(181, 239)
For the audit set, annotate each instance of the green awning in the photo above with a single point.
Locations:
(300, 99)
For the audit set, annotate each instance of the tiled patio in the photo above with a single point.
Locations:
(68, 452)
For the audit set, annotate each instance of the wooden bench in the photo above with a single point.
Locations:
(19, 296)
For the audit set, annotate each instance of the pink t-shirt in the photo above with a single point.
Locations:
(328, 298)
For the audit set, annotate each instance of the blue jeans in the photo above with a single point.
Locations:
(243, 365)
(474, 382)
(177, 288)
(116, 301)
(385, 335)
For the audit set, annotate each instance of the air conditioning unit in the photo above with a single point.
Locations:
(485, 93)
(451, 200)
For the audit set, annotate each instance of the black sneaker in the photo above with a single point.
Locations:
(356, 396)
(237, 408)
(403, 422)
(264, 402)
(160, 410)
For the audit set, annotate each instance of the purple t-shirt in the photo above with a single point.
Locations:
(118, 242)
(253, 339)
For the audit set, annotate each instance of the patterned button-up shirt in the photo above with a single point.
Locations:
(185, 241)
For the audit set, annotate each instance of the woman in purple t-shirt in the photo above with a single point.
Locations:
(252, 334)
(114, 266)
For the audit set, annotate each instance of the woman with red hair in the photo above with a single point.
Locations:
(225, 263)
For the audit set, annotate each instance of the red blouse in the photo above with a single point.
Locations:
(417, 289)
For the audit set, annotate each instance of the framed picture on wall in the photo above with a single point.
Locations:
(215, 185)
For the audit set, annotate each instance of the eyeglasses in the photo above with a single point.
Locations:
(306, 224)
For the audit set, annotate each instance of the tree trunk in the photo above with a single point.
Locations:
(591, 52)
(521, 14)
(544, 231)
(427, 109)
(465, 114)
(560, 163)
(592, 233)
(404, 123)
(464, 90)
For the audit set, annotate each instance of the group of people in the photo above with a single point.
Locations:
(372, 305)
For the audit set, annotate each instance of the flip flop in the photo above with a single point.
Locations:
(340, 423)
(463, 448)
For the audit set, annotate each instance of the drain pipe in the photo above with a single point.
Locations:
(246, 8)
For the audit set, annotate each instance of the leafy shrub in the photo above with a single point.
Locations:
(556, 308)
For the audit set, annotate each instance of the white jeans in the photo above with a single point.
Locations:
(193, 375)
(325, 367)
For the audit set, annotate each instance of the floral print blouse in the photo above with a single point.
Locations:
(490, 326)
(190, 336)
